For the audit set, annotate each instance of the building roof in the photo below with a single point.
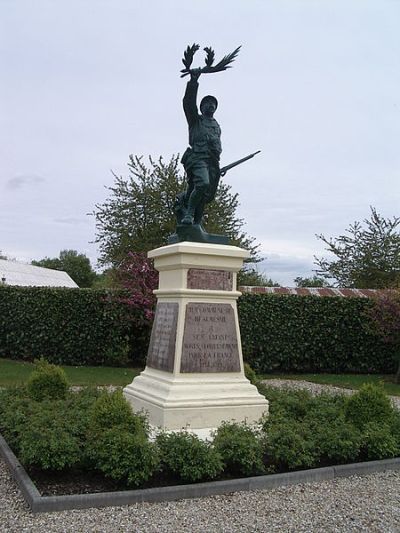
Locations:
(311, 291)
(13, 273)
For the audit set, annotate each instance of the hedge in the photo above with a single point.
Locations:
(69, 326)
(279, 333)
(311, 334)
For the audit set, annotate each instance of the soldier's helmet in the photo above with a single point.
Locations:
(209, 98)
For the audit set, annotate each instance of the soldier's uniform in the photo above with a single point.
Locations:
(201, 159)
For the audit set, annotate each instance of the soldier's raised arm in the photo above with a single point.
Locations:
(189, 100)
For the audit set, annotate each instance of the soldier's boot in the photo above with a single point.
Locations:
(196, 198)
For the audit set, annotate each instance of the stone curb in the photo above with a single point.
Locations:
(40, 504)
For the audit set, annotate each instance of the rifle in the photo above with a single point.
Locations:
(225, 169)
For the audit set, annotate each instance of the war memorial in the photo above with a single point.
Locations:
(194, 377)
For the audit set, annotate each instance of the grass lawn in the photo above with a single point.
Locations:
(16, 372)
(348, 381)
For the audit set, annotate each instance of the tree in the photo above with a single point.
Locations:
(315, 281)
(385, 320)
(367, 257)
(139, 214)
(76, 265)
(252, 278)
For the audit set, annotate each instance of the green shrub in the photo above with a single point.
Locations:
(250, 374)
(378, 442)
(279, 333)
(47, 441)
(289, 404)
(47, 382)
(292, 333)
(369, 404)
(187, 457)
(126, 457)
(47, 321)
(304, 431)
(241, 449)
(290, 445)
(337, 441)
(15, 409)
(113, 410)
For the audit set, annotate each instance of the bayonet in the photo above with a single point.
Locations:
(225, 169)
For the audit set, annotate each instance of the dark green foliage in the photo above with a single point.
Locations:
(250, 374)
(250, 276)
(126, 456)
(379, 442)
(369, 404)
(76, 265)
(185, 456)
(139, 215)
(304, 431)
(241, 449)
(290, 445)
(111, 410)
(15, 408)
(366, 257)
(69, 326)
(47, 381)
(49, 434)
(279, 333)
(310, 334)
(336, 441)
(48, 440)
(315, 281)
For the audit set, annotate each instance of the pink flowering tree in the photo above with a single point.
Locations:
(138, 276)
(385, 320)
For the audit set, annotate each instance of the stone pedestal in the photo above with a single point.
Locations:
(194, 377)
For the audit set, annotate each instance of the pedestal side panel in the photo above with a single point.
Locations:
(210, 342)
(161, 352)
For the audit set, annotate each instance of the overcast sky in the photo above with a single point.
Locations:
(85, 83)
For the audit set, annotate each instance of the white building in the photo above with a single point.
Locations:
(13, 273)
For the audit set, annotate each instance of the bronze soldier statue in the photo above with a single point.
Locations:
(201, 159)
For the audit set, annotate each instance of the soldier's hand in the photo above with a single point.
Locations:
(195, 74)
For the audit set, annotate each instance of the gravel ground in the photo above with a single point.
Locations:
(316, 388)
(369, 503)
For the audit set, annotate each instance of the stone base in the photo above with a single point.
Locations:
(195, 233)
(194, 378)
(196, 401)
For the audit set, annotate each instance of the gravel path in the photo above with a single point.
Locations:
(370, 503)
(316, 388)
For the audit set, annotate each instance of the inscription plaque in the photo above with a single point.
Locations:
(209, 340)
(163, 336)
(199, 278)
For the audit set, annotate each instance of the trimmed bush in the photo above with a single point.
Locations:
(70, 326)
(337, 441)
(111, 410)
(241, 449)
(15, 410)
(188, 458)
(47, 382)
(126, 457)
(290, 445)
(47, 441)
(311, 334)
(369, 404)
(379, 442)
(279, 333)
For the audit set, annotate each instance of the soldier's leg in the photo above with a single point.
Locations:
(200, 180)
